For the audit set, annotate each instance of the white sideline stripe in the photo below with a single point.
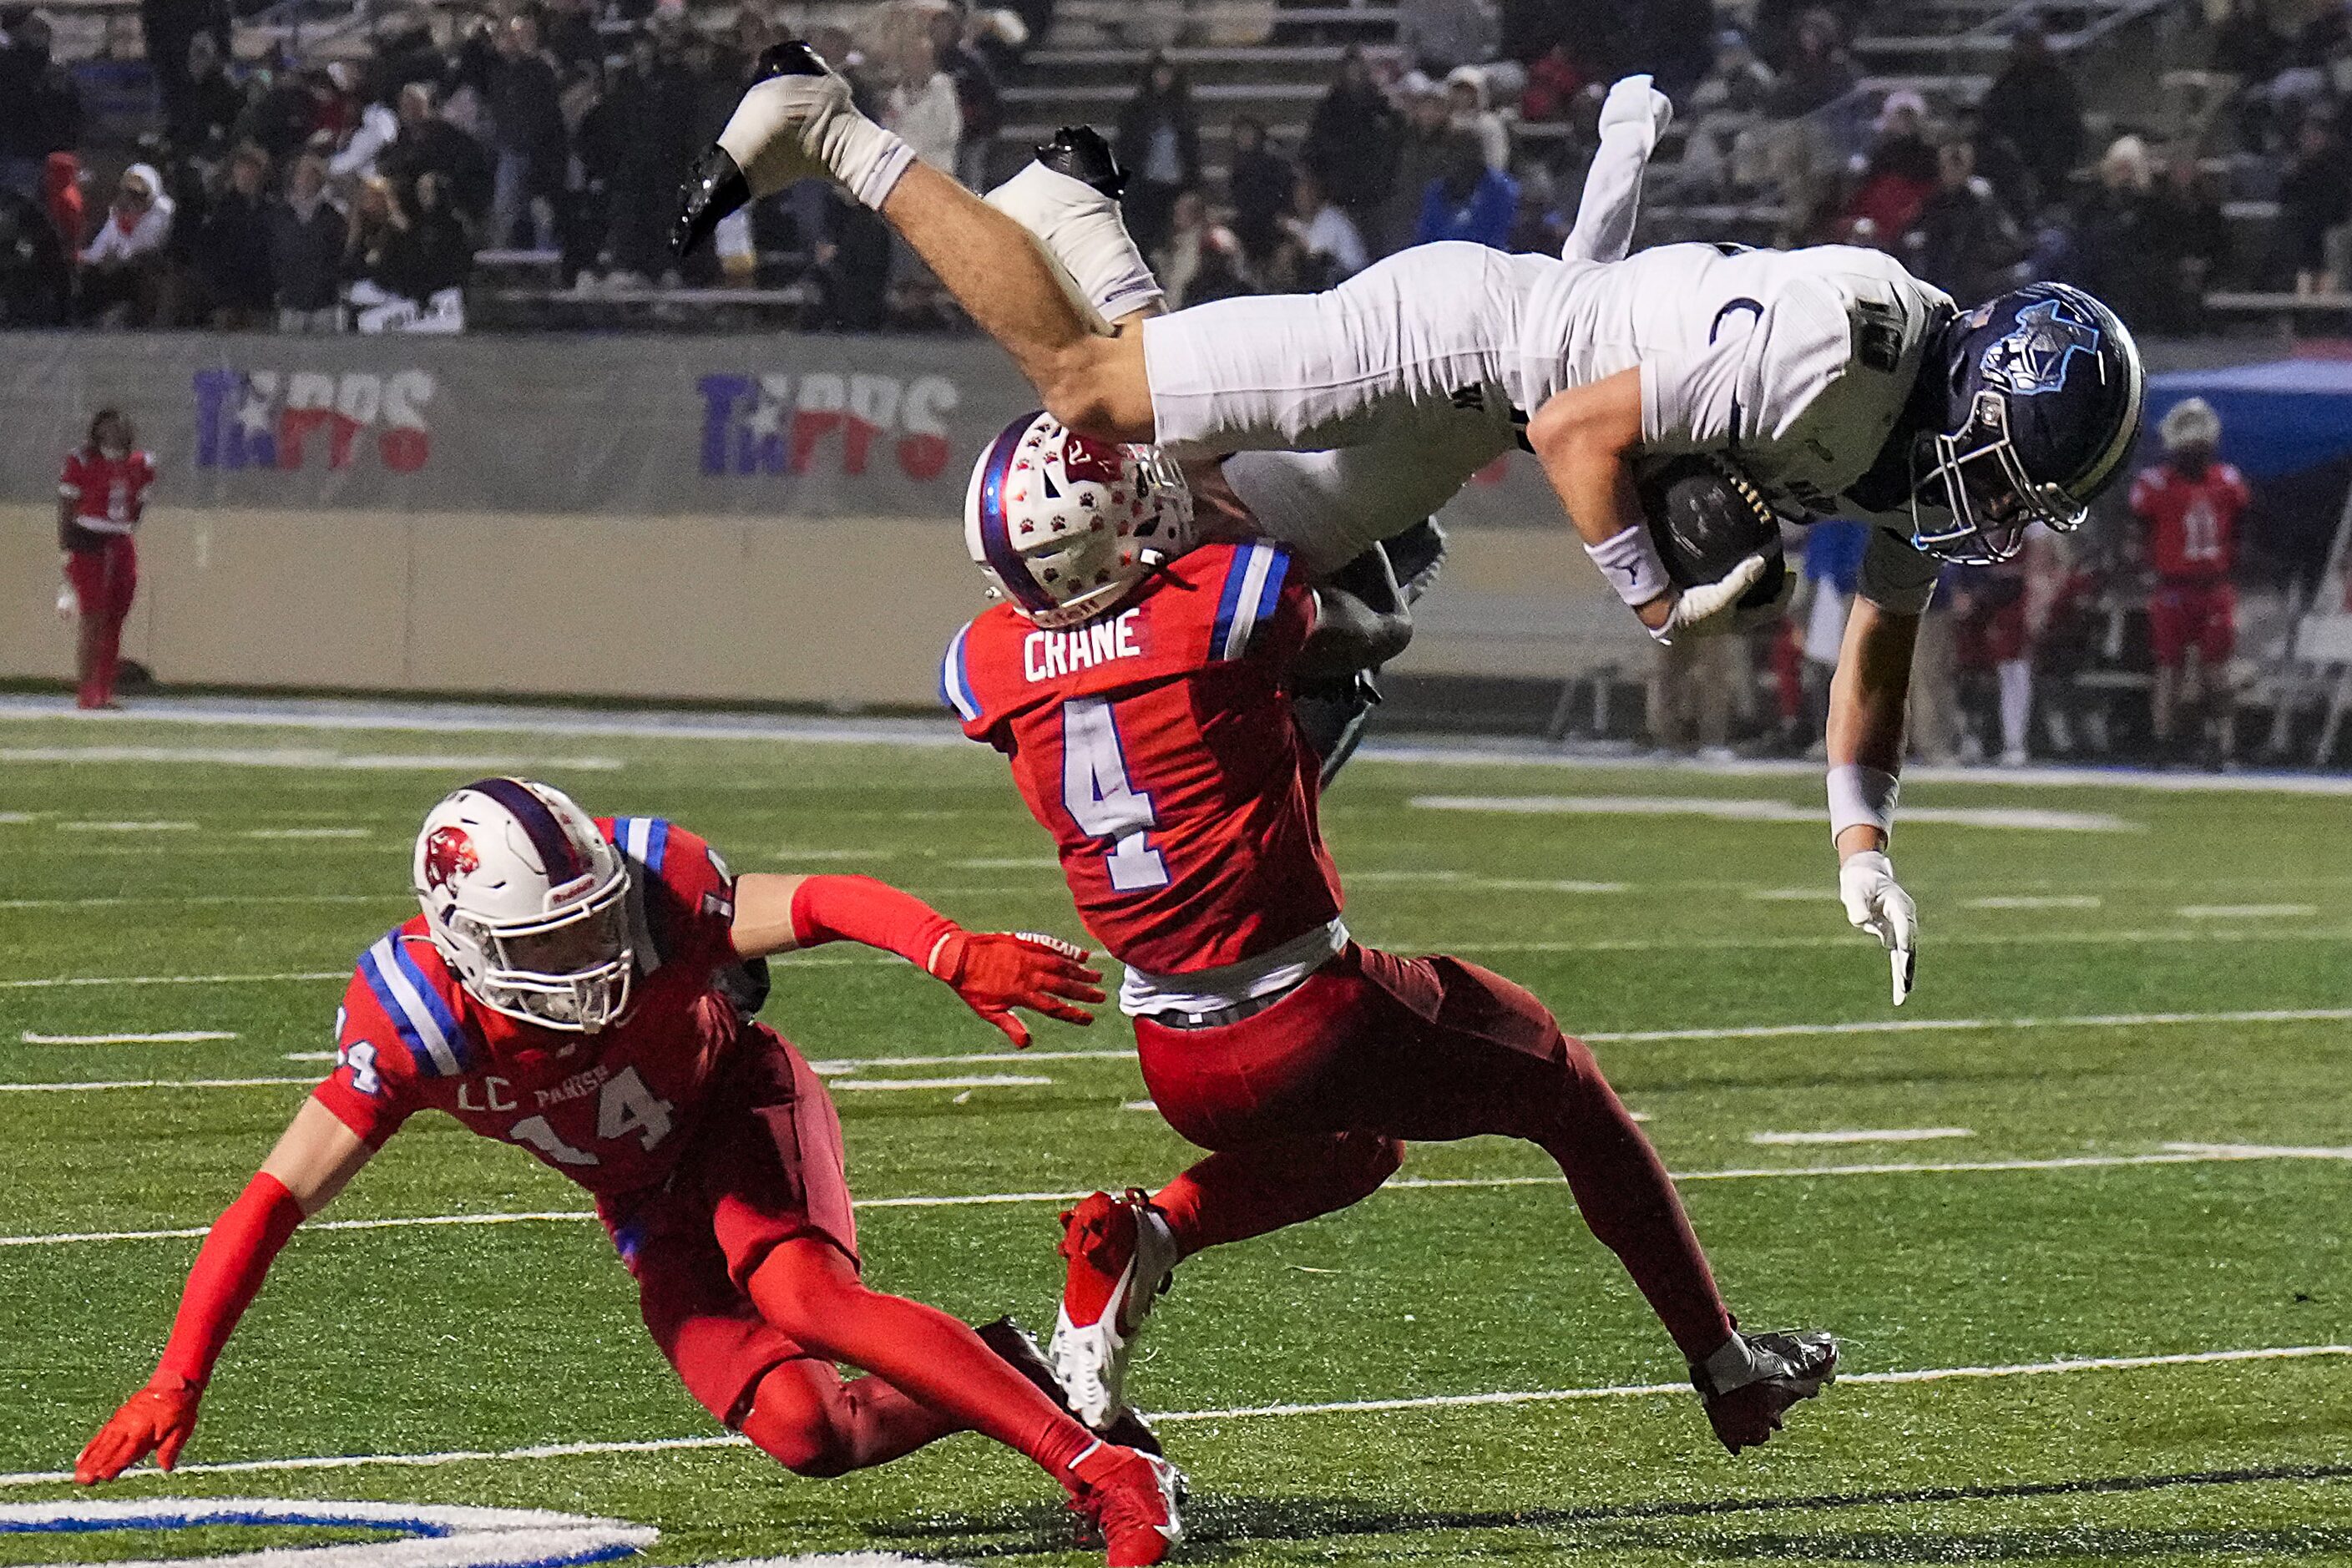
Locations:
(2036, 901)
(1241, 1413)
(2243, 911)
(1726, 810)
(1864, 1135)
(169, 1037)
(126, 827)
(2173, 1154)
(942, 734)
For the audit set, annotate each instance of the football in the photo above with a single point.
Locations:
(1706, 517)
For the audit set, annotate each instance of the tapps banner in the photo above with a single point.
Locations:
(800, 426)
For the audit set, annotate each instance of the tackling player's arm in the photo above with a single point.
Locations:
(313, 1159)
(993, 972)
(1360, 621)
(1586, 439)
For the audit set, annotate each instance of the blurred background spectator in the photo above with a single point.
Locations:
(1159, 144)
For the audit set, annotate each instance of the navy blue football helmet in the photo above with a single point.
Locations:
(2043, 408)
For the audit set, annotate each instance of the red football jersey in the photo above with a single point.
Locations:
(108, 493)
(611, 1109)
(2191, 522)
(1155, 743)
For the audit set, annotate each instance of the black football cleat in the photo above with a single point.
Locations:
(1080, 151)
(716, 186)
(1785, 1368)
(1013, 1346)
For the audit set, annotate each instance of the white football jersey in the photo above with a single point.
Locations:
(1356, 413)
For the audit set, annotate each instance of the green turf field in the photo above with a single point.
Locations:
(2166, 1185)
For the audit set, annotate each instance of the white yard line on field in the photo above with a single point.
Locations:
(2036, 819)
(306, 757)
(1001, 1080)
(1243, 1413)
(168, 1037)
(197, 900)
(2036, 902)
(126, 827)
(101, 1086)
(306, 833)
(2172, 1155)
(1861, 1135)
(79, 980)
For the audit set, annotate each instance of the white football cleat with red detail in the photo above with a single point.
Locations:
(1121, 1253)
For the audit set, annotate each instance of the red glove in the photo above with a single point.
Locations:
(995, 972)
(156, 1420)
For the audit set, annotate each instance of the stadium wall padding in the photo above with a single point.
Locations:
(772, 518)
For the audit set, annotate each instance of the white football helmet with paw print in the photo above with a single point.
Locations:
(525, 900)
(1063, 525)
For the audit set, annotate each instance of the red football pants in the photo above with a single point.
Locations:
(1304, 1102)
(103, 580)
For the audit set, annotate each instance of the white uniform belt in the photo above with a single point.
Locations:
(1228, 988)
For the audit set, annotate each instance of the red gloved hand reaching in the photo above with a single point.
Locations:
(156, 1420)
(995, 972)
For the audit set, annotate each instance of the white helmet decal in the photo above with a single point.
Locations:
(1065, 525)
(524, 898)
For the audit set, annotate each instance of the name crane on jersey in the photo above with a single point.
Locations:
(1046, 655)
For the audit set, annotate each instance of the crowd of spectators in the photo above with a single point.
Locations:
(362, 190)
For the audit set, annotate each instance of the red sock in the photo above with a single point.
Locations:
(812, 1294)
(1626, 1197)
(1241, 1192)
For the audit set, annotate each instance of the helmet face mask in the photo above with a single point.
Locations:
(554, 954)
(1976, 478)
(1066, 527)
(2045, 403)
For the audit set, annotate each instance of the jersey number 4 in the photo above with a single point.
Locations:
(1096, 794)
(625, 1105)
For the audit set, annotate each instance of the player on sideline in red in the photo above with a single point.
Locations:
(100, 495)
(2190, 504)
(1137, 685)
(563, 990)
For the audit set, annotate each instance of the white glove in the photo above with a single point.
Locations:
(1635, 106)
(1875, 902)
(1699, 612)
(69, 602)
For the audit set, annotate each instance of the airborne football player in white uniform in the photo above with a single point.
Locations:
(1829, 377)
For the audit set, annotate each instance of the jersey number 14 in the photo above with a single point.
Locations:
(1096, 794)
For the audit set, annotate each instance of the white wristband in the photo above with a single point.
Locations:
(1629, 560)
(1862, 797)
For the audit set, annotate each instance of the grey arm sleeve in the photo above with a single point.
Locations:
(1896, 576)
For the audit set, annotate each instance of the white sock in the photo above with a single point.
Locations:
(1082, 231)
(789, 127)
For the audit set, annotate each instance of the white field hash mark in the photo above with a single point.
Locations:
(168, 1037)
(2172, 1155)
(1251, 1412)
